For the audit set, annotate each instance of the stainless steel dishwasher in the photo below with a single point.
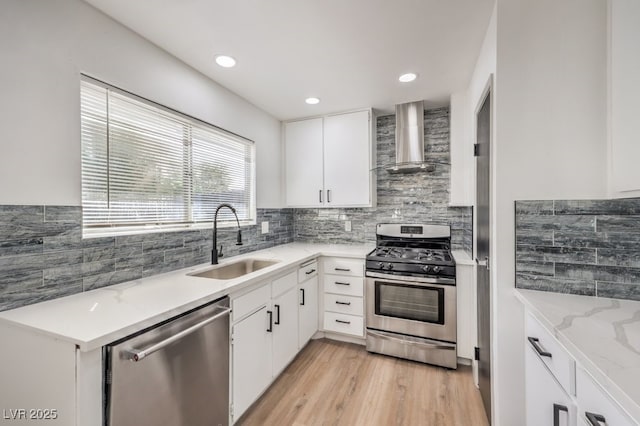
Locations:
(175, 373)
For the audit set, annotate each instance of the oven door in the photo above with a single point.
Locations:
(411, 306)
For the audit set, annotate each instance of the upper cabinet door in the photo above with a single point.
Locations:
(304, 168)
(347, 159)
(625, 91)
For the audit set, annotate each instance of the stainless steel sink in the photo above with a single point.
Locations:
(234, 270)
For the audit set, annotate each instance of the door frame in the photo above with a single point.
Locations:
(489, 88)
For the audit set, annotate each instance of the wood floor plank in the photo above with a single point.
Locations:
(336, 383)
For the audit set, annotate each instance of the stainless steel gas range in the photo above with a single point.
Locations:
(410, 294)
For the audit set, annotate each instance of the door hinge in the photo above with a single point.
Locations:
(476, 354)
(476, 150)
(231, 410)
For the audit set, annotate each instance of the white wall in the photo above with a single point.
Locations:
(550, 143)
(45, 45)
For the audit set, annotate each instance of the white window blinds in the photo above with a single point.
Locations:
(145, 165)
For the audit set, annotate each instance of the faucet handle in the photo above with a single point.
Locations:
(220, 253)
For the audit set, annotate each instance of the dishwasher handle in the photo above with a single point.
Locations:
(136, 355)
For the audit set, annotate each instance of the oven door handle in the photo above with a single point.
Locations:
(446, 346)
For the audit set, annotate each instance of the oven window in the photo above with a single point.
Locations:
(417, 303)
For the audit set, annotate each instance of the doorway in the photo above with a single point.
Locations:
(483, 236)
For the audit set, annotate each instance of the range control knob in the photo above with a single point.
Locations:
(389, 266)
(426, 268)
(380, 265)
(437, 269)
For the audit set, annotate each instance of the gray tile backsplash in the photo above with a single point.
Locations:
(589, 247)
(43, 255)
(412, 197)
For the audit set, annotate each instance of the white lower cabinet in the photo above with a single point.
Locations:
(547, 402)
(285, 329)
(559, 391)
(307, 310)
(343, 296)
(251, 359)
(265, 336)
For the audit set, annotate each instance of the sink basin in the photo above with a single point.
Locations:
(234, 270)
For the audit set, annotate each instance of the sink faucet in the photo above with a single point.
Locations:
(214, 253)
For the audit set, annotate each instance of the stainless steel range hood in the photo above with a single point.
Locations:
(409, 138)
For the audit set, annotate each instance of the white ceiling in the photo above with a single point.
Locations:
(349, 53)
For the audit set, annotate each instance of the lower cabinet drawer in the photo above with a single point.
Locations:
(552, 353)
(595, 403)
(340, 266)
(342, 323)
(249, 302)
(343, 304)
(338, 284)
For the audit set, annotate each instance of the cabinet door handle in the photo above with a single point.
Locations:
(277, 321)
(342, 269)
(343, 322)
(320, 195)
(341, 283)
(310, 271)
(342, 303)
(536, 345)
(328, 195)
(302, 290)
(270, 329)
(595, 419)
(556, 413)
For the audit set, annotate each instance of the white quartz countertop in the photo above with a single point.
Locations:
(603, 335)
(98, 317)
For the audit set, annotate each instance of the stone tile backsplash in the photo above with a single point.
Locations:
(411, 197)
(43, 255)
(589, 247)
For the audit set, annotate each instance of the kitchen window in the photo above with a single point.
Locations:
(147, 167)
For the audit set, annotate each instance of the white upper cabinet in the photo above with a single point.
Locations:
(624, 87)
(329, 160)
(461, 150)
(303, 161)
(347, 161)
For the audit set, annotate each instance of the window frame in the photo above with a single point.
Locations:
(106, 229)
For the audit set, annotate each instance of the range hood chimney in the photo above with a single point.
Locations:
(409, 138)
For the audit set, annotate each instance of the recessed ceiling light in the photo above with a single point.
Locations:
(312, 101)
(225, 61)
(405, 78)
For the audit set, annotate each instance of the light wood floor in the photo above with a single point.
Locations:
(335, 383)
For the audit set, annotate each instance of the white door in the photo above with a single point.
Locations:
(304, 163)
(347, 164)
(285, 329)
(545, 398)
(308, 310)
(251, 360)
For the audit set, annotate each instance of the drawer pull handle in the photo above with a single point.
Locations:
(277, 321)
(343, 269)
(270, 329)
(536, 345)
(341, 283)
(556, 413)
(311, 271)
(342, 303)
(343, 322)
(595, 419)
